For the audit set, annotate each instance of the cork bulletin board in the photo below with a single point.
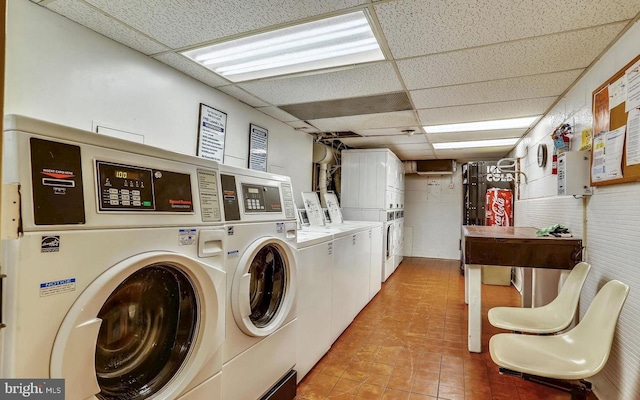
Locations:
(616, 138)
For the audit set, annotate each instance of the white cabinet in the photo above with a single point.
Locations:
(343, 296)
(313, 304)
(362, 252)
(574, 169)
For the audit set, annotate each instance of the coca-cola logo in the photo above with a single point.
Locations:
(500, 216)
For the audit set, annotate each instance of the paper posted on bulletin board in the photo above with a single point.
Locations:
(609, 145)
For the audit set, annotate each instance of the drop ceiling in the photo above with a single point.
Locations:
(446, 61)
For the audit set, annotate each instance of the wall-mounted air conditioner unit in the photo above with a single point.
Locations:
(430, 167)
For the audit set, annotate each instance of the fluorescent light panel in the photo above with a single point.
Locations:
(332, 42)
(476, 143)
(483, 125)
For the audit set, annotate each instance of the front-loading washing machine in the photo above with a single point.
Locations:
(260, 346)
(112, 256)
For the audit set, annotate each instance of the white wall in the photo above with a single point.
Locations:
(611, 230)
(433, 215)
(60, 71)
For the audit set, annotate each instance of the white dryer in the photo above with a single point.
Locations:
(260, 346)
(399, 239)
(113, 266)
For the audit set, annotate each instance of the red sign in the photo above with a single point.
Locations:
(499, 207)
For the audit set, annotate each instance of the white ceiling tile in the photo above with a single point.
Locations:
(97, 21)
(243, 96)
(192, 69)
(278, 114)
(417, 27)
(485, 112)
(424, 154)
(384, 141)
(303, 126)
(298, 124)
(479, 135)
(480, 153)
(539, 55)
(368, 121)
(389, 131)
(410, 146)
(309, 129)
(179, 25)
(495, 91)
(363, 80)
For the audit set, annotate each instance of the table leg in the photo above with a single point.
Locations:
(527, 287)
(466, 284)
(473, 280)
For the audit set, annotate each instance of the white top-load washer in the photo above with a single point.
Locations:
(260, 345)
(113, 263)
(351, 269)
(314, 254)
(389, 236)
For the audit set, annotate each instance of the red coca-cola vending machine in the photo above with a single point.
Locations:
(499, 207)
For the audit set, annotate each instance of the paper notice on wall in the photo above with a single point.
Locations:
(613, 153)
(633, 137)
(633, 87)
(601, 111)
(617, 92)
(587, 138)
(597, 167)
(607, 155)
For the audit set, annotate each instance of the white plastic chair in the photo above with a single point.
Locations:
(575, 355)
(551, 318)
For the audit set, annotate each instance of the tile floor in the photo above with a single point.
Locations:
(410, 343)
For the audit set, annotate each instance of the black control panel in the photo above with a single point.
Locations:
(56, 172)
(260, 198)
(132, 188)
(230, 198)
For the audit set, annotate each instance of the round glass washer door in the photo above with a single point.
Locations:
(149, 324)
(263, 289)
(143, 328)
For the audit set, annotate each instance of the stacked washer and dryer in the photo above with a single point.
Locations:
(373, 190)
(113, 266)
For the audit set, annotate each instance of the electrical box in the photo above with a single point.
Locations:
(573, 173)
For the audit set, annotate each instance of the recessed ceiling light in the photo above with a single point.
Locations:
(483, 125)
(342, 40)
(476, 143)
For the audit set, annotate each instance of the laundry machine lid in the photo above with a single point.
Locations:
(143, 327)
(263, 290)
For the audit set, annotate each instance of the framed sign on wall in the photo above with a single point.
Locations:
(212, 129)
(258, 145)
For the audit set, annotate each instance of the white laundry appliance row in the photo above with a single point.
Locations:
(339, 267)
(160, 275)
(373, 190)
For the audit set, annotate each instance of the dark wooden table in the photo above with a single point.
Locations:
(509, 246)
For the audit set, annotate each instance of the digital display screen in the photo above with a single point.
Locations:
(122, 174)
(253, 190)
